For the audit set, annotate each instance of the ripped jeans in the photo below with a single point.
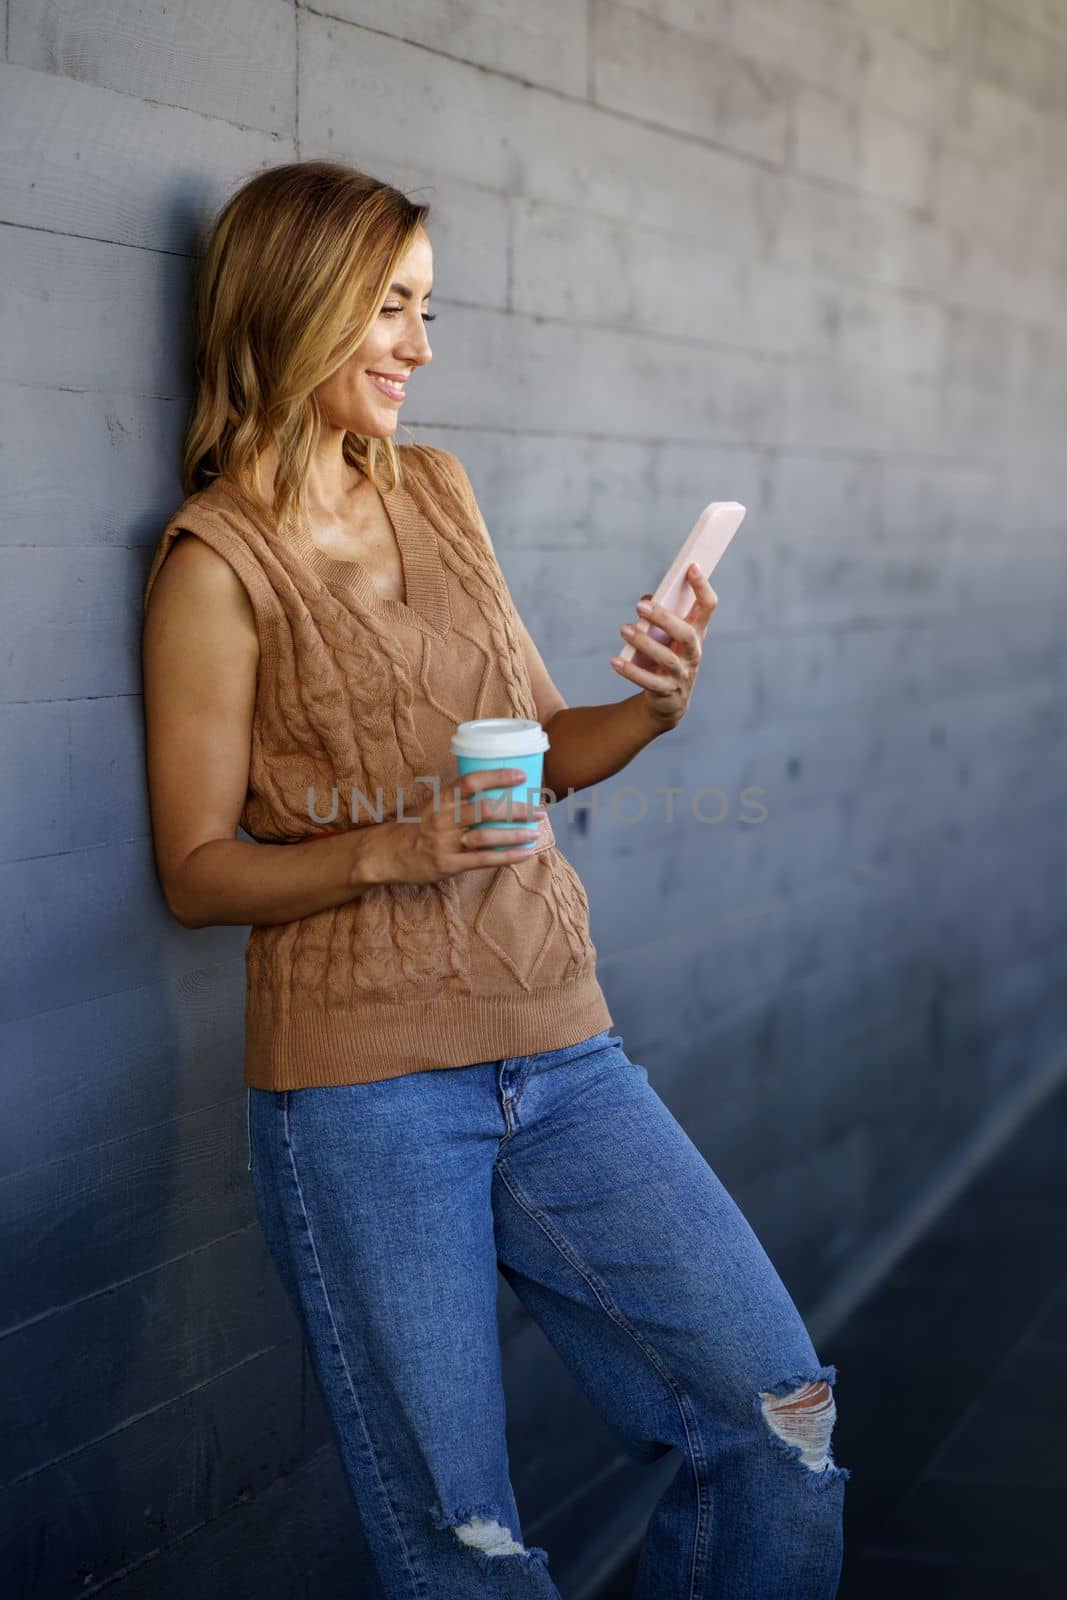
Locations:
(388, 1209)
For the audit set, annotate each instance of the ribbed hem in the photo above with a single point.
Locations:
(386, 1041)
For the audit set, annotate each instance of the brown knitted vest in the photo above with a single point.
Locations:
(359, 693)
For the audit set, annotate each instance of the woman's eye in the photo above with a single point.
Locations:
(392, 311)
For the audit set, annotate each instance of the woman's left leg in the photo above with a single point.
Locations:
(629, 1252)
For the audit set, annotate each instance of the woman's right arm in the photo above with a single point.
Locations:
(200, 656)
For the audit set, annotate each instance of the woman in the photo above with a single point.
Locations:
(435, 1092)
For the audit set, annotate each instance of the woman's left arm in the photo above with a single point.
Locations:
(590, 743)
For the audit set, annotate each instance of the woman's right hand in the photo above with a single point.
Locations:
(440, 843)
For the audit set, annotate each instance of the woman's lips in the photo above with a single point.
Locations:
(389, 392)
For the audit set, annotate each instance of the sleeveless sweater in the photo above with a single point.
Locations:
(360, 694)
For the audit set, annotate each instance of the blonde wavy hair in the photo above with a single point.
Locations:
(296, 267)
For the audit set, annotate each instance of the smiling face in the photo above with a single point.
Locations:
(358, 397)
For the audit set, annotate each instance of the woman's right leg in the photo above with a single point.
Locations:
(375, 1201)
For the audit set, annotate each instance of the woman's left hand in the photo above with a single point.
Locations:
(667, 691)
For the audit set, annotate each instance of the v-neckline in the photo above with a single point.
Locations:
(425, 583)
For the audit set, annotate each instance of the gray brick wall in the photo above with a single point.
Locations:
(809, 254)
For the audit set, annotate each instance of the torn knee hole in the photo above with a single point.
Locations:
(804, 1418)
(489, 1536)
(481, 1528)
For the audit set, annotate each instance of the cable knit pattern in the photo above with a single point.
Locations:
(359, 693)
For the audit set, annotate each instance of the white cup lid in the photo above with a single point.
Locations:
(490, 737)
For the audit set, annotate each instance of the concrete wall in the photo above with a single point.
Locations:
(809, 254)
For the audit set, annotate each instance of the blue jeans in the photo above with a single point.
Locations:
(388, 1209)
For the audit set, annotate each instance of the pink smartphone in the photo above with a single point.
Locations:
(711, 533)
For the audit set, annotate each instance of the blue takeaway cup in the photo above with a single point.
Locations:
(518, 742)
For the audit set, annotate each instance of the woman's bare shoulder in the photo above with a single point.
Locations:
(195, 581)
